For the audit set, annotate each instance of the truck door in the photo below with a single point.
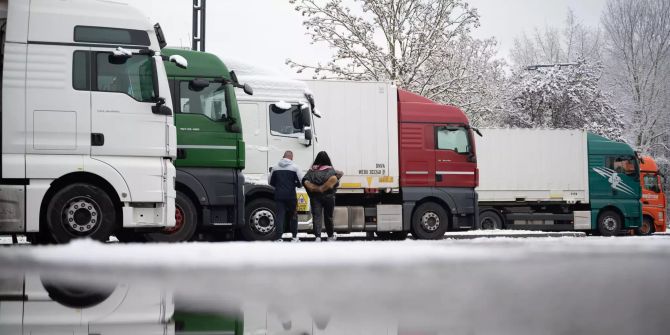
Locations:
(454, 156)
(204, 135)
(122, 122)
(288, 127)
(254, 120)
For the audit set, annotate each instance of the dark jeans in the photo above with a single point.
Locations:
(286, 212)
(322, 211)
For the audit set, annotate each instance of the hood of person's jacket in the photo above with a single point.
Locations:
(284, 162)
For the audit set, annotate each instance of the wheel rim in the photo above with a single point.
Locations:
(179, 221)
(610, 223)
(488, 224)
(81, 215)
(262, 220)
(430, 221)
(646, 227)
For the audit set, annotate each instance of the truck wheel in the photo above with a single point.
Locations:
(429, 222)
(392, 235)
(81, 210)
(186, 219)
(647, 227)
(609, 223)
(260, 221)
(490, 220)
(76, 297)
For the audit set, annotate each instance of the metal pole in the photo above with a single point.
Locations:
(198, 25)
(202, 24)
(194, 42)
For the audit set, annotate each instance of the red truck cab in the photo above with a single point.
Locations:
(438, 161)
(653, 198)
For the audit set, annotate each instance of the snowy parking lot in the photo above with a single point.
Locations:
(500, 285)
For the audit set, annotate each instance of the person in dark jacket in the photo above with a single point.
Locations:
(285, 177)
(321, 183)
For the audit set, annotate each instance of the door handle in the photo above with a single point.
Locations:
(181, 153)
(97, 139)
(444, 160)
(646, 202)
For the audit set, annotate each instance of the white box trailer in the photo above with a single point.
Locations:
(532, 165)
(350, 132)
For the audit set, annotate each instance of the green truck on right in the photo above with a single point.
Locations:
(557, 180)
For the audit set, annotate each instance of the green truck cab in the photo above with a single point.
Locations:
(614, 186)
(210, 148)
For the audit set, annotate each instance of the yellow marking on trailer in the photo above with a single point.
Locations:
(350, 185)
(386, 179)
(369, 179)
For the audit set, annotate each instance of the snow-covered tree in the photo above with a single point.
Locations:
(384, 39)
(423, 45)
(563, 97)
(638, 58)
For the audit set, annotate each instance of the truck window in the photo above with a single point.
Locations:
(80, 70)
(625, 165)
(453, 138)
(132, 76)
(651, 183)
(285, 121)
(209, 101)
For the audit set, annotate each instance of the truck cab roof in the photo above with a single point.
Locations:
(415, 108)
(604, 146)
(647, 164)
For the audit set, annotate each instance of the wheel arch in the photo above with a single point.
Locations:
(438, 201)
(79, 177)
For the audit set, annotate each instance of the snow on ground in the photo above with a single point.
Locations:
(497, 285)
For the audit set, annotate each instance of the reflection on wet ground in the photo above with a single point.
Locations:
(563, 285)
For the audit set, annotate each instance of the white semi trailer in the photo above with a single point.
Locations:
(556, 179)
(87, 136)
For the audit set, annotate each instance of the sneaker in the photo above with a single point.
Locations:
(318, 239)
(332, 238)
(295, 239)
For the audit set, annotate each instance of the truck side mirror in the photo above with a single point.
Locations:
(198, 84)
(308, 134)
(306, 117)
(248, 89)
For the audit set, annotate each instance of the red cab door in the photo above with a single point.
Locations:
(455, 162)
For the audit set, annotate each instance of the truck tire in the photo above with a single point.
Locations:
(647, 227)
(490, 220)
(260, 218)
(186, 218)
(429, 221)
(76, 297)
(81, 210)
(392, 235)
(609, 223)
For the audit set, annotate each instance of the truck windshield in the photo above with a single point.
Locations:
(209, 101)
(453, 138)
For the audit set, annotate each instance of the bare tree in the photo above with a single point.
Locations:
(558, 45)
(638, 54)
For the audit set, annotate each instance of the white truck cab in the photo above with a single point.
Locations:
(279, 116)
(31, 305)
(87, 136)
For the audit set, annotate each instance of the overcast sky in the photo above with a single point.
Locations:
(266, 32)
